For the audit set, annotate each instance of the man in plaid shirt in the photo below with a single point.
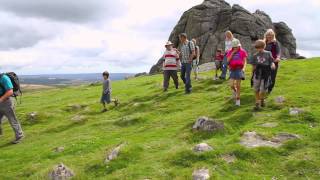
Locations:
(187, 54)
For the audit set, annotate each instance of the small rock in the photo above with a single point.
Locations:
(114, 153)
(32, 117)
(78, 118)
(203, 147)
(295, 111)
(59, 149)
(201, 174)
(283, 137)
(253, 140)
(269, 125)
(280, 100)
(206, 124)
(229, 158)
(61, 172)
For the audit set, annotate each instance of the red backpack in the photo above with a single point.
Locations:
(238, 59)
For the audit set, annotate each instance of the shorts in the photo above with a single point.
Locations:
(259, 85)
(218, 64)
(237, 74)
(105, 98)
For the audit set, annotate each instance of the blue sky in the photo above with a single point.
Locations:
(46, 37)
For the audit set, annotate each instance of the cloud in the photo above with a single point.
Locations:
(62, 10)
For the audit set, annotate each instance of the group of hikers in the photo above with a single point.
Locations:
(186, 58)
(265, 63)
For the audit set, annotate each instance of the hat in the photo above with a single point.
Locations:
(236, 43)
(169, 43)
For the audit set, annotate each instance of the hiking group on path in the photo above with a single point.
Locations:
(265, 63)
(186, 58)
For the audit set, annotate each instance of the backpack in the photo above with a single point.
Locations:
(196, 50)
(15, 82)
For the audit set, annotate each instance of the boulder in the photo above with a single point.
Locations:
(203, 147)
(201, 174)
(209, 125)
(61, 172)
(295, 111)
(208, 22)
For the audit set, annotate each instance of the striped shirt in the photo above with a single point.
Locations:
(186, 49)
(171, 60)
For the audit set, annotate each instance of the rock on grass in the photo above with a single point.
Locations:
(114, 153)
(209, 125)
(201, 174)
(61, 172)
(203, 147)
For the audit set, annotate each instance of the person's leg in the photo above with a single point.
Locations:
(166, 79)
(233, 88)
(273, 78)
(1, 116)
(224, 68)
(238, 91)
(188, 85)
(175, 79)
(12, 118)
(183, 73)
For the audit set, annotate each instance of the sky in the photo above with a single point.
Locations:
(123, 36)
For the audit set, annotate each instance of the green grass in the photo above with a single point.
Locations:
(156, 128)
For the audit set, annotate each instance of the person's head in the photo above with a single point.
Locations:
(169, 45)
(260, 45)
(194, 41)
(229, 35)
(105, 75)
(183, 37)
(219, 52)
(236, 45)
(270, 36)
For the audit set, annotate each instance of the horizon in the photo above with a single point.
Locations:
(98, 35)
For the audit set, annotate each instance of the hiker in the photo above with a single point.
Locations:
(7, 107)
(106, 92)
(263, 64)
(228, 45)
(196, 60)
(218, 59)
(171, 64)
(273, 46)
(237, 60)
(187, 52)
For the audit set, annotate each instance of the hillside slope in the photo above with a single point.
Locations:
(156, 128)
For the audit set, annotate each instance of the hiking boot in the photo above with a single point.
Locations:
(257, 107)
(18, 139)
(238, 102)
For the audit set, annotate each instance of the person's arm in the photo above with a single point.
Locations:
(8, 94)
(273, 66)
(193, 51)
(245, 64)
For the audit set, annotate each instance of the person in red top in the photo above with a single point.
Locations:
(218, 59)
(237, 59)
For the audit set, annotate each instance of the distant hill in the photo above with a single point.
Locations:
(67, 79)
(156, 130)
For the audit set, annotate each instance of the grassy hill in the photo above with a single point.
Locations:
(156, 128)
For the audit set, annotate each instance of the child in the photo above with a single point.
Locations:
(218, 59)
(171, 64)
(237, 59)
(263, 64)
(106, 93)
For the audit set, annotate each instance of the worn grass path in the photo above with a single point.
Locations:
(157, 129)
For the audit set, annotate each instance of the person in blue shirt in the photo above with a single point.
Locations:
(7, 108)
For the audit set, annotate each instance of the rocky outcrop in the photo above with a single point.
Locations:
(208, 22)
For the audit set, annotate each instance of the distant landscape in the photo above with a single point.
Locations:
(68, 79)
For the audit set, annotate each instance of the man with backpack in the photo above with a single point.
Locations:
(187, 54)
(8, 86)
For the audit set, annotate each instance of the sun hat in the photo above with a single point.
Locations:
(236, 43)
(169, 43)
